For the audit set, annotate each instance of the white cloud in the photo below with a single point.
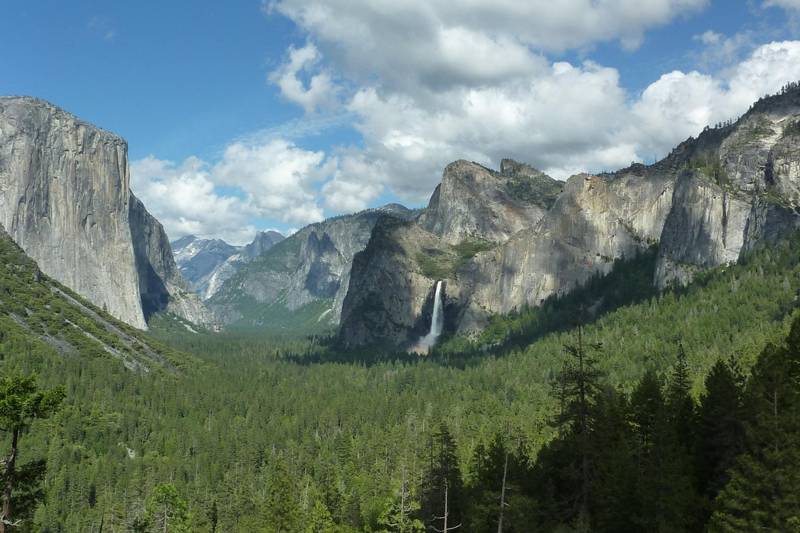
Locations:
(355, 185)
(564, 118)
(426, 82)
(436, 81)
(320, 91)
(786, 4)
(183, 198)
(439, 43)
(277, 177)
(272, 181)
(720, 51)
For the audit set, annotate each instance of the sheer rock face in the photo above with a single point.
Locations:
(474, 201)
(711, 200)
(64, 191)
(161, 285)
(390, 298)
(473, 213)
(594, 221)
(745, 192)
(310, 265)
(65, 199)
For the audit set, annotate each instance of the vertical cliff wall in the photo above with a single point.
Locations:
(64, 193)
(65, 200)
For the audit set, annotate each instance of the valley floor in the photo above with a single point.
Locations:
(266, 434)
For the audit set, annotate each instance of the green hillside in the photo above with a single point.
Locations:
(36, 311)
(250, 418)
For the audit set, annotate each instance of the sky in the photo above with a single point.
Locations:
(249, 115)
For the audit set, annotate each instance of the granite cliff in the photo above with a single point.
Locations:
(708, 202)
(304, 276)
(65, 199)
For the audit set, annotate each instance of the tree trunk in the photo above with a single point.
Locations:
(11, 461)
(502, 496)
(444, 529)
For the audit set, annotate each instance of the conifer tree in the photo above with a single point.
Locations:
(167, 512)
(664, 490)
(614, 486)
(763, 493)
(443, 493)
(720, 429)
(580, 382)
(21, 402)
(282, 509)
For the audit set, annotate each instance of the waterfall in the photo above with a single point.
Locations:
(437, 323)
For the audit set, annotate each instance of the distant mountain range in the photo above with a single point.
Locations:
(206, 263)
(499, 239)
(299, 284)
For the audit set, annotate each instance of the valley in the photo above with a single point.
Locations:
(616, 351)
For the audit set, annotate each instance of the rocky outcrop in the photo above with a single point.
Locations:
(594, 221)
(476, 202)
(200, 260)
(390, 298)
(471, 215)
(308, 267)
(161, 285)
(711, 200)
(64, 192)
(65, 199)
(740, 192)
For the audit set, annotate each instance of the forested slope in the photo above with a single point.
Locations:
(257, 435)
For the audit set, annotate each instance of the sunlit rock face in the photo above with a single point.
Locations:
(65, 199)
(311, 266)
(474, 211)
(711, 200)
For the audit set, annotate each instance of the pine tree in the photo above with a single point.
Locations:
(167, 512)
(664, 490)
(491, 487)
(763, 493)
(400, 512)
(579, 383)
(319, 519)
(443, 492)
(282, 509)
(614, 486)
(21, 402)
(720, 430)
(680, 406)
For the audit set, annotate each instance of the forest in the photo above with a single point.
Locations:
(670, 411)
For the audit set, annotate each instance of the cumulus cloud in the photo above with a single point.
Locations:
(720, 51)
(185, 200)
(426, 82)
(357, 182)
(554, 119)
(277, 177)
(319, 92)
(434, 81)
(438, 43)
(563, 118)
(273, 181)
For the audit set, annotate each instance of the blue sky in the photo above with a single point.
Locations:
(245, 115)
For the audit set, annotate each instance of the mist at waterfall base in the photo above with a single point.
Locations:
(425, 343)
